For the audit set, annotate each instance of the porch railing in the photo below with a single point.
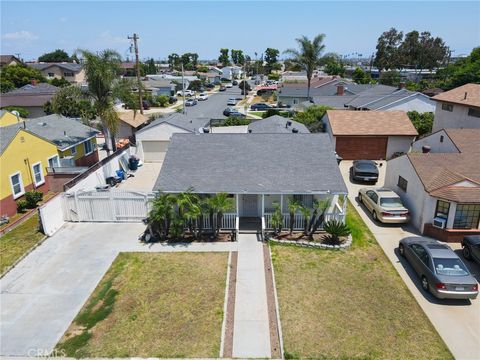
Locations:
(228, 222)
(298, 220)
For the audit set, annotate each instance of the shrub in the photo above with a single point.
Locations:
(22, 112)
(273, 76)
(21, 206)
(336, 229)
(162, 100)
(32, 198)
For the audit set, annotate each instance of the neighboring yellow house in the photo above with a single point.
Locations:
(23, 163)
(7, 118)
(29, 147)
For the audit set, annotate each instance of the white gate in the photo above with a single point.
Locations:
(106, 206)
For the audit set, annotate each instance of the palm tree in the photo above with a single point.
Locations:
(306, 215)
(101, 73)
(277, 219)
(320, 207)
(308, 55)
(293, 207)
(219, 204)
(162, 212)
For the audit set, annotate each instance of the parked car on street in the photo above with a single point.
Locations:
(190, 102)
(365, 171)
(172, 100)
(385, 205)
(471, 247)
(228, 110)
(228, 85)
(237, 114)
(202, 97)
(209, 86)
(232, 101)
(234, 82)
(441, 271)
(260, 106)
(222, 88)
(187, 93)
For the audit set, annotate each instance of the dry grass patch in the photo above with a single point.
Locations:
(17, 242)
(153, 305)
(350, 304)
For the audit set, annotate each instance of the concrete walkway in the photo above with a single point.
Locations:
(42, 295)
(251, 331)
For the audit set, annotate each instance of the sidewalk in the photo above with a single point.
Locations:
(251, 333)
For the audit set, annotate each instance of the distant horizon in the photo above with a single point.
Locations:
(205, 27)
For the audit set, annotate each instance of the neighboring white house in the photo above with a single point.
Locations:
(371, 135)
(458, 108)
(174, 78)
(153, 139)
(441, 190)
(232, 72)
(448, 141)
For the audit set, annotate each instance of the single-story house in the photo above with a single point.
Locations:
(174, 78)
(277, 124)
(448, 141)
(6, 60)
(371, 135)
(154, 139)
(272, 168)
(130, 121)
(159, 87)
(383, 97)
(31, 97)
(441, 191)
(458, 108)
(71, 72)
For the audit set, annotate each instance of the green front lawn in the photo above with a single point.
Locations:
(350, 304)
(153, 305)
(17, 242)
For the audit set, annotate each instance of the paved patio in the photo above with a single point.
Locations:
(143, 178)
(43, 294)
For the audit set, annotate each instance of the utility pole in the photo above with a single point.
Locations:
(137, 66)
(183, 93)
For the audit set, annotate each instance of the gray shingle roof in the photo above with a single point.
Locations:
(276, 124)
(337, 102)
(250, 163)
(63, 132)
(179, 120)
(329, 89)
(66, 66)
(29, 89)
(373, 94)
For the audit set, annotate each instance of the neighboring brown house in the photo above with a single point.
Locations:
(31, 97)
(129, 123)
(9, 60)
(71, 72)
(370, 135)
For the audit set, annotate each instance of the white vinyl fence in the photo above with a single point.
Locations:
(106, 206)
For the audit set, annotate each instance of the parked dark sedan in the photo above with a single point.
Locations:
(441, 271)
(365, 171)
(471, 247)
(260, 106)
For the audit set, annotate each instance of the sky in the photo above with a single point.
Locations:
(32, 28)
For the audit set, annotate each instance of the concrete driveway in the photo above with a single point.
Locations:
(457, 321)
(42, 295)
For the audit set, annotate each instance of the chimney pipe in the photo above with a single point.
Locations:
(426, 149)
(465, 97)
(402, 85)
(340, 90)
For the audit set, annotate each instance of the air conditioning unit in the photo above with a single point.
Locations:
(439, 222)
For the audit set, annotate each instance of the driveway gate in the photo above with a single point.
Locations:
(106, 206)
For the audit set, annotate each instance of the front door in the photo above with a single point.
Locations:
(250, 205)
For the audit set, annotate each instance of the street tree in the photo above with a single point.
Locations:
(15, 76)
(71, 101)
(423, 51)
(271, 58)
(223, 58)
(361, 77)
(173, 61)
(308, 55)
(58, 55)
(388, 55)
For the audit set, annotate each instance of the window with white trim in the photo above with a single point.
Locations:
(38, 174)
(73, 150)
(17, 185)
(88, 147)
(53, 161)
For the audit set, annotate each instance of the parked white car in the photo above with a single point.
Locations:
(232, 102)
(187, 93)
(202, 97)
(228, 85)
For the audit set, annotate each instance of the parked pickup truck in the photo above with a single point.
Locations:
(187, 93)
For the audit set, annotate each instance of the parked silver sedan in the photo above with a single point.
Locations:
(441, 271)
(385, 205)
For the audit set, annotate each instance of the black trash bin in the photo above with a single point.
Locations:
(133, 163)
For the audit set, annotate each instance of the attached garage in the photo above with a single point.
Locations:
(154, 151)
(362, 147)
(372, 135)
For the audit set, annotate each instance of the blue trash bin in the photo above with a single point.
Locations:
(121, 174)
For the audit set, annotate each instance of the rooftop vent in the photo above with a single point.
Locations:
(289, 123)
(42, 124)
(294, 130)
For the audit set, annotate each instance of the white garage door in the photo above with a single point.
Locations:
(154, 151)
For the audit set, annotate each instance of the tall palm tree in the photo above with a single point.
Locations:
(101, 73)
(308, 55)
(306, 215)
(293, 207)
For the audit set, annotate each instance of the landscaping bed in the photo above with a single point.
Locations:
(222, 237)
(153, 305)
(15, 243)
(349, 304)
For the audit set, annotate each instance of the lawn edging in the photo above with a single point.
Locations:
(277, 306)
(304, 243)
(225, 305)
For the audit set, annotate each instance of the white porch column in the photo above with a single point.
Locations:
(281, 203)
(236, 204)
(263, 205)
